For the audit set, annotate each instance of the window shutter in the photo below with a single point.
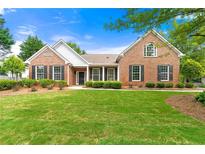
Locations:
(33, 71)
(158, 72)
(170, 72)
(62, 72)
(145, 50)
(101, 74)
(51, 72)
(45, 72)
(142, 72)
(90, 73)
(105, 74)
(116, 74)
(130, 73)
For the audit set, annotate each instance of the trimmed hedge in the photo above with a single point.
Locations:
(88, 83)
(61, 84)
(7, 84)
(116, 85)
(107, 84)
(46, 82)
(97, 84)
(150, 85)
(180, 85)
(189, 85)
(28, 82)
(160, 85)
(104, 84)
(169, 85)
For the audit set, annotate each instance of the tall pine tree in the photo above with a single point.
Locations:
(30, 46)
(6, 39)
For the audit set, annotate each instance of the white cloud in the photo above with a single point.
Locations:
(60, 19)
(15, 49)
(1, 11)
(111, 50)
(8, 10)
(63, 37)
(26, 30)
(88, 37)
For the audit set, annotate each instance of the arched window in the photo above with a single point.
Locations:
(150, 50)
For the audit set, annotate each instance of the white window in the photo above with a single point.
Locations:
(40, 72)
(96, 74)
(56, 73)
(136, 73)
(164, 72)
(150, 50)
(110, 74)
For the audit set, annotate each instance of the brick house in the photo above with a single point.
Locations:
(150, 58)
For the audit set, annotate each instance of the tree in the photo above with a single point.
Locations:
(30, 46)
(14, 65)
(191, 69)
(141, 20)
(76, 48)
(6, 39)
(193, 47)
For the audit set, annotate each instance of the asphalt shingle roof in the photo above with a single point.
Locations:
(100, 58)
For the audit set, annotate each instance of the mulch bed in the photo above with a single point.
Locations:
(22, 91)
(187, 105)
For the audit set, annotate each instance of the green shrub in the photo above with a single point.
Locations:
(169, 85)
(150, 85)
(201, 97)
(107, 84)
(189, 85)
(180, 85)
(28, 82)
(88, 83)
(97, 84)
(7, 84)
(116, 85)
(62, 84)
(160, 85)
(45, 82)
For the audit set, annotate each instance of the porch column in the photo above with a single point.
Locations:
(87, 74)
(118, 73)
(103, 73)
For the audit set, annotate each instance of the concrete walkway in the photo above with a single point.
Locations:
(140, 89)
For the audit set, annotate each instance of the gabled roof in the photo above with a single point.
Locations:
(106, 59)
(43, 49)
(179, 53)
(67, 55)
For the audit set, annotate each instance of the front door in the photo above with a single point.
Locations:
(81, 78)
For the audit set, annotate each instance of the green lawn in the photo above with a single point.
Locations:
(96, 117)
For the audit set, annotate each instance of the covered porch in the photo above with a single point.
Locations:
(95, 73)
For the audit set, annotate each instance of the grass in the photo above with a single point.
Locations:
(96, 117)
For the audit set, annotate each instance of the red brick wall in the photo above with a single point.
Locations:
(135, 55)
(72, 74)
(48, 58)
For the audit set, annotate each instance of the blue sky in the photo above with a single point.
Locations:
(83, 26)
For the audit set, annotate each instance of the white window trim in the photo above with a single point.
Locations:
(37, 70)
(93, 74)
(113, 72)
(140, 78)
(167, 73)
(146, 50)
(53, 72)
